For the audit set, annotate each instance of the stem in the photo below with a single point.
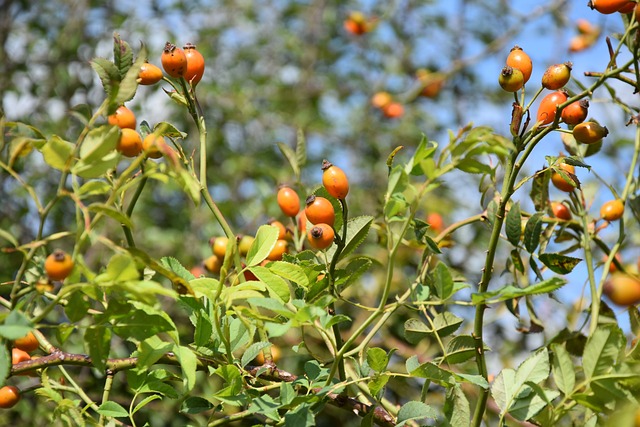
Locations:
(341, 242)
(78, 390)
(231, 418)
(634, 161)
(482, 287)
(203, 152)
(132, 204)
(105, 394)
(136, 195)
(336, 327)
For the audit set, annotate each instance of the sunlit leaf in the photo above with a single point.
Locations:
(57, 152)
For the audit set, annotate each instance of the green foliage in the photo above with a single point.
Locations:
(399, 322)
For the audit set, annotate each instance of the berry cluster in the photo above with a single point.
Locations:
(9, 394)
(185, 63)
(318, 211)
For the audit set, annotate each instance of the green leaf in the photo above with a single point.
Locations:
(377, 358)
(396, 202)
(471, 165)
(287, 393)
(456, 408)
(415, 330)
(415, 410)
(434, 373)
(150, 351)
(230, 374)
(9, 238)
(634, 320)
(444, 324)
(517, 261)
(57, 152)
(195, 405)
(112, 213)
(352, 272)
(77, 306)
(513, 224)
(601, 351)
(511, 291)
(302, 416)
(174, 265)
(540, 190)
(122, 55)
(301, 150)
(16, 325)
(392, 156)
(252, 352)
(169, 130)
(477, 380)
(94, 188)
(314, 371)
(205, 286)
(559, 263)
(188, 363)
(503, 389)
(5, 364)
(563, 369)
(121, 268)
(328, 321)
(97, 341)
(367, 420)
(443, 377)
(243, 291)
(112, 409)
(291, 157)
(263, 243)
(290, 272)
(159, 387)
(377, 383)
(144, 402)
(107, 72)
(461, 348)
(239, 334)
(144, 322)
(535, 368)
(568, 177)
(442, 281)
(265, 405)
(129, 83)
(515, 391)
(271, 304)
(357, 230)
(530, 405)
(98, 143)
(203, 328)
(532, 232)
(276, 285)
(189, 185)
(422, 162)
(96, 169)
(535, 269)
(432, 245)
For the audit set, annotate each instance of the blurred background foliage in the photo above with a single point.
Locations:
(273, 68)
